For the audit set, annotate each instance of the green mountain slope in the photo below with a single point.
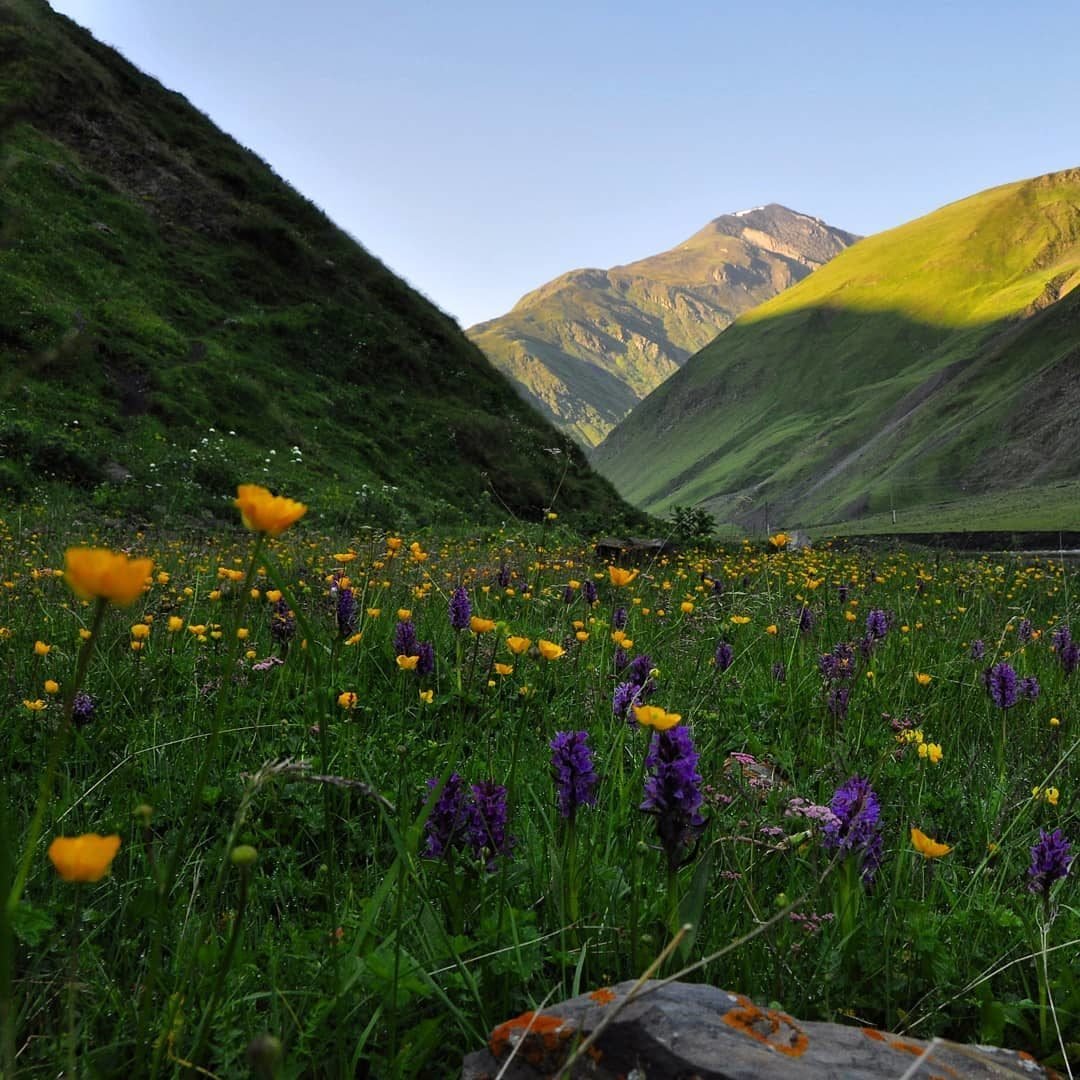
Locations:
(157, 281)
(934, 362)
(588, 346)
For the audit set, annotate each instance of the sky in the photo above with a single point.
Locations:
(480, 149)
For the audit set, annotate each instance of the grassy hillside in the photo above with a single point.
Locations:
(588, 346)
(928, 364)
(171, 310)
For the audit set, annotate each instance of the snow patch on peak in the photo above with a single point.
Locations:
(743, 213)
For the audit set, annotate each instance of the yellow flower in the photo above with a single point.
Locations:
(1049, 795)
(52, 686)
(779, 540)
(427, 697)
(264, 512)
(84, 634)
(408, 663)
(175, 623)
(620, 576)
(355, 639)
(99, 573)
(504, 669)
(1055, 722)
(922, 678)
(518, 645)
(343, 556)
(849, 615)
(549, 650)
(393, 543)
(242, 633)
(347, 700)
(740, 620)
(273, 595)
(655, 717)
(686, 607)
(196, 628)
(140, 631)
(481, 626)
(404, 613)
(41, 649)
(34, 706)
(931, 751)
(374, 612)
(83, 858)
(929, 849)
(772, 629)
(552, 516)
(582, 635)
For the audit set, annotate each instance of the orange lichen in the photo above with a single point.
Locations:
(873, 1033)
(543, 1038)
(604, 996)
(774, 1029)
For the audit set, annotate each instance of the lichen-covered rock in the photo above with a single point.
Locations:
(696, 1032)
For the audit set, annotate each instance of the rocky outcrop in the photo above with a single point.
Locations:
(696, 1032)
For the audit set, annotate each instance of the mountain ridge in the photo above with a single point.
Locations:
(162, 286)
(888, 376)
(589, 344)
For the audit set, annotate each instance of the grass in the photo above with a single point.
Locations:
(172, 307)
(348, 942)
(933, 360)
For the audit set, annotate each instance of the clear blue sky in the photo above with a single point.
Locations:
(480, 149)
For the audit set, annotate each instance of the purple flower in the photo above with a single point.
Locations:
(626, 694)
(83, 709)
(1001, 685)
(460, 608)
(717, 587)
(806, 620)
(575, 777)
(618, 618)
(837, 701)
(1050, 861)
(673, 793)
(447, 824)
(620, 659)
(725, 656)
(426, 664)
(978, 649)
(568, 595)
(405, 641)
(1070, 657)
(503, 577)
(839, 665)
(638, 671)
(877, 623)
(1029, 687)
(346, 612)
(487, 822)
(1023, 631)
(857, 811)
(822, 815)
(1061, 637)
(779, 672)
(588, 590)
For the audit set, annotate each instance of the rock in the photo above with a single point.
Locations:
(697, 1032)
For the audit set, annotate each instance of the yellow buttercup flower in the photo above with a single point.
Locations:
(427, 697)
(929, 849)
(97, 573)
(140, 631)
(740, 620)
(347, 700)
(779, 540)
(34, 706)
(404, 613)
(175, 623)
(922, 678)
(52, 686)
(686, 607)
(264, 512)
(41, 649)
(1049, 795)
(655, 717)
(620, 576)
(407, 663)
(549, 650)
(83, 858)
(504, 669)
(518, 645)
(772, 629)
(481, 626)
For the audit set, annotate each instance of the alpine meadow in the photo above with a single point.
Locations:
(674, 676)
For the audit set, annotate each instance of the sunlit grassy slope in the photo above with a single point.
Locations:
(157, 280)
(930, 363)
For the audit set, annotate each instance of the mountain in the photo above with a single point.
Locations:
(588, 346)
(936, 362)
(175, 318)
